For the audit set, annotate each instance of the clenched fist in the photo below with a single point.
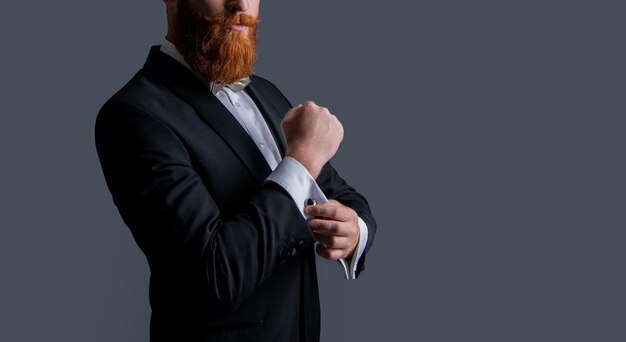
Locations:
(312, 134)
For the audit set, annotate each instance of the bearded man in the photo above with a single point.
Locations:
(226, 187)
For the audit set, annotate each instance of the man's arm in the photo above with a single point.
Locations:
(301, 127)
(172, 214)
(346, 247)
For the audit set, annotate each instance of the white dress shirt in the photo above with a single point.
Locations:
(286, 172)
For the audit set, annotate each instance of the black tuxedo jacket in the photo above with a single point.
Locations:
(230, 255)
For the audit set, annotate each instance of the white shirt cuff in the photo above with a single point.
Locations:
(297, 181)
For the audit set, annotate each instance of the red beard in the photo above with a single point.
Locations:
(211, 48)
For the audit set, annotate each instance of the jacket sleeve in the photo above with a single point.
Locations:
(171, 213)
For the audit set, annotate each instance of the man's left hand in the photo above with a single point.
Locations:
(336, 228)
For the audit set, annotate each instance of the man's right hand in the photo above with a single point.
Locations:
(313, 135)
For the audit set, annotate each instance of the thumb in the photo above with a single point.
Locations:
(334, 202)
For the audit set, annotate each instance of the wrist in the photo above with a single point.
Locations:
(313, 167)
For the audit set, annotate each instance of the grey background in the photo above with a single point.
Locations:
(487, 135)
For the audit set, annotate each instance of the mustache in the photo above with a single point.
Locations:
(231, 19)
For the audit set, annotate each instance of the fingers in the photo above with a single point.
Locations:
(289, 116)
(329, 227)
(335, 228)
(331, 211)
(310, 105)
(330, 253)
(334, 202)
(334, 241)
(336, 238)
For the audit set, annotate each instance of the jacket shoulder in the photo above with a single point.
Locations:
(140, 91)
(269, 88)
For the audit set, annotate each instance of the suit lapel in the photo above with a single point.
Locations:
(186, 86)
